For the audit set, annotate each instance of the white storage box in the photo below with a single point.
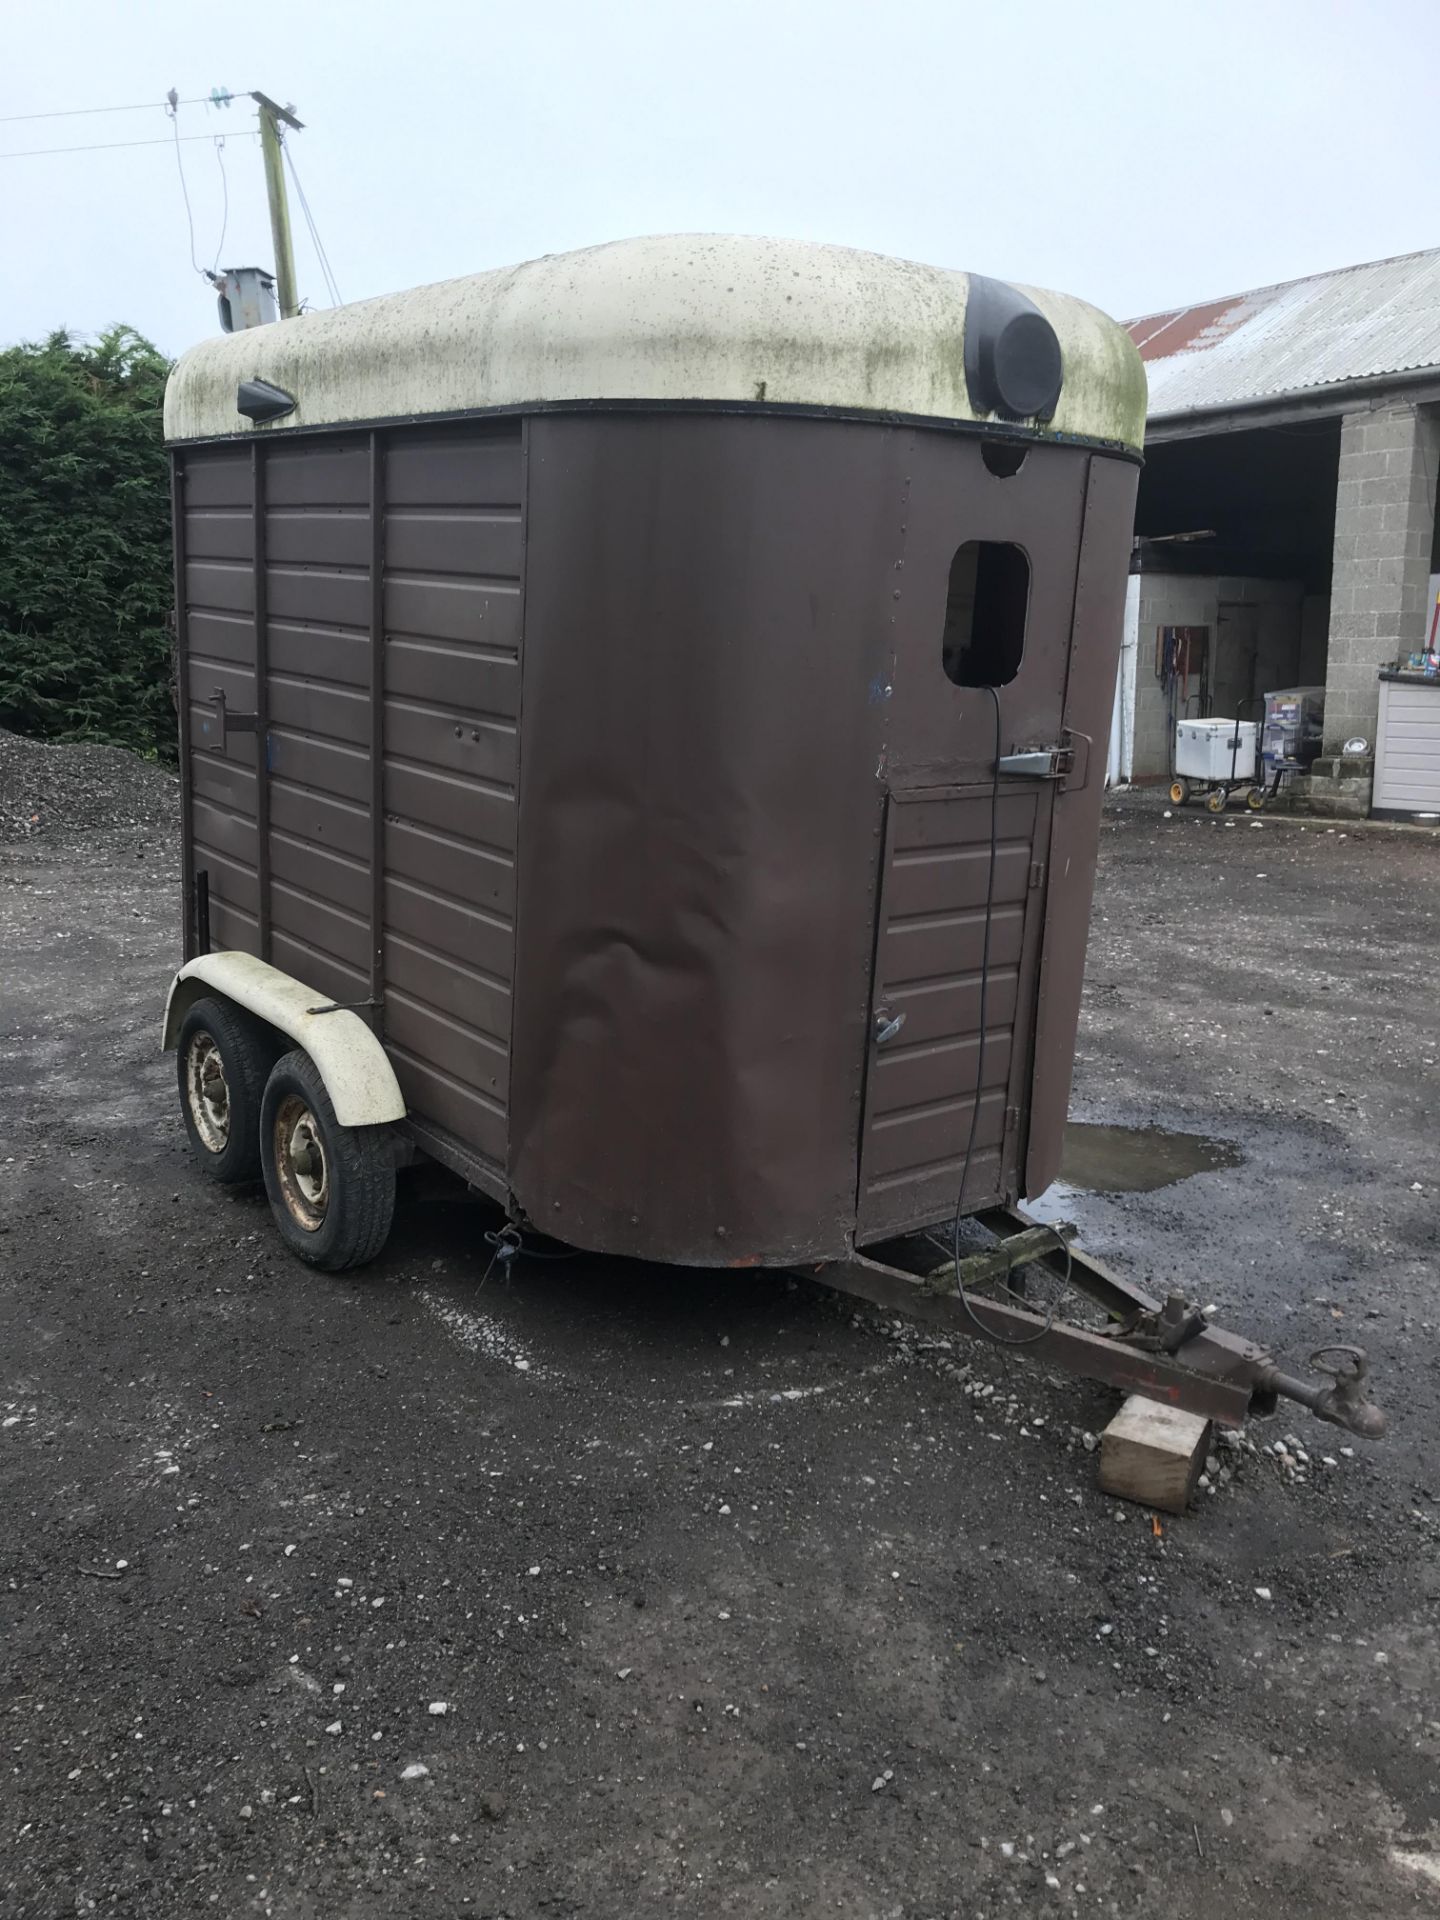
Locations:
(1209, 749)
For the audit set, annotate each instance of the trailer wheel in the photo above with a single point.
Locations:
(1255, 799)
(1217, 799)
(331, 1188)
(223, 1055)
(1179, 792)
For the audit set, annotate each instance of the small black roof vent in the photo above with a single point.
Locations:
(1013, 363)
(259, 401)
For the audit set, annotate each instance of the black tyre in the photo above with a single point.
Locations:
(223, 1057)
(331, 1188)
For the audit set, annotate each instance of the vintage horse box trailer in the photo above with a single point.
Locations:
(642, 738)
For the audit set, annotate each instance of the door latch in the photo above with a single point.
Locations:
(1038, 763)
(1069, 763)
(887, 1025)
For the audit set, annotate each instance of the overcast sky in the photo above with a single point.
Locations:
(1141, 155)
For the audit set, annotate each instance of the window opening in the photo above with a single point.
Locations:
(985, 609)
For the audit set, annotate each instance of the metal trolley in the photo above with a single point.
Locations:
(1213, 759)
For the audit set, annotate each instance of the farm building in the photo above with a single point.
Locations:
(1286, 526)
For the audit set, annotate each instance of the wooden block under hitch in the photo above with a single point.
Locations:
(1153, 1454)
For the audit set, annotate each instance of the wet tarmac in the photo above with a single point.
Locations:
(1101, 1159)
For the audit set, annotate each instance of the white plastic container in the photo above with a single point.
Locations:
(1215, 749)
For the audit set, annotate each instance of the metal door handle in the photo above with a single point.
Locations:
(887, 1025)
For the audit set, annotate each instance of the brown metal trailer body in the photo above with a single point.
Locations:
(607, 752)
(755, 811)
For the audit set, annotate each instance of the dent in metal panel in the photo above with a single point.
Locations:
(708, 601)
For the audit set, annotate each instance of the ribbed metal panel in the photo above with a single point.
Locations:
(1407, 748)
(288, 837)
(219, 603)
(452, 704)
(929, 964)
(317, 643)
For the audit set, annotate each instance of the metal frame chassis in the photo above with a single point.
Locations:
(1165, 1352)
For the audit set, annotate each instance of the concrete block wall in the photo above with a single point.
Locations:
(1384, 532)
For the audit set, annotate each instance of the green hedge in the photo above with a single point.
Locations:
(85, 584)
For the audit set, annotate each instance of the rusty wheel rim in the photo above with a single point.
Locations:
(301, 1167)
(207, 1093)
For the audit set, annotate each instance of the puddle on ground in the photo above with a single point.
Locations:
(1138, 1159)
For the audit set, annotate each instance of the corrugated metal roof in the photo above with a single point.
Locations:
(1353, 324)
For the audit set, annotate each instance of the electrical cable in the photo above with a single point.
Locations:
(99, 146)
(330, 282)
(172, 110)
(320, 253)
(133, 106)
(508, 1245)
(225, 208)
(998, 1339)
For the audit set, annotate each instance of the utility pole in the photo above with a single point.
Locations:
(271, 116)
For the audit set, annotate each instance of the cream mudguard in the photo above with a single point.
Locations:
(358, 1077)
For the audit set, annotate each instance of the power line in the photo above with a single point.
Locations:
(184, 190)
(103, 146)
(321, 254)
(220, 98)
(225, 208)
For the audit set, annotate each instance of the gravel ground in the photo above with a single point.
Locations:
(734, 1605)
(56, 790)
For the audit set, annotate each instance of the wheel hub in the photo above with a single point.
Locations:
(300, 1163)
(207, 1093)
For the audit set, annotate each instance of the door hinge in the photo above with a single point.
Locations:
(1012, 1119)
(226, 722)
(1037, 873)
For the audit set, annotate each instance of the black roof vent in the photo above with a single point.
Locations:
(259, 401)
(1013, 363)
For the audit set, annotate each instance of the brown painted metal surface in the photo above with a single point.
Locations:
(647, 880)
(297, 555)
(927, 971)
(1099, 608)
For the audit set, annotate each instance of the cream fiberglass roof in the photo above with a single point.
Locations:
(695, 319)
